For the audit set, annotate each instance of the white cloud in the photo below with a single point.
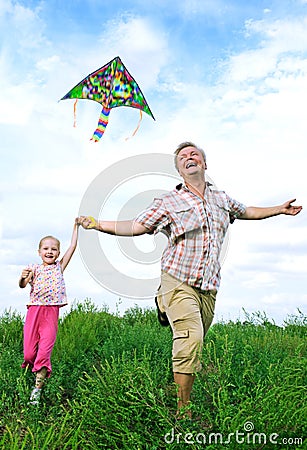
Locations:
(5, 7)
(25, 28)
(283, 35)
(260, 280)
(142, 45)
(48, 64)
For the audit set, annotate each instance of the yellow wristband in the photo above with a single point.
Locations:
(93, 222)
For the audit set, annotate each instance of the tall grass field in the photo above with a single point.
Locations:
(112, 385)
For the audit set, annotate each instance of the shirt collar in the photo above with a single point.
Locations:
(183, 186)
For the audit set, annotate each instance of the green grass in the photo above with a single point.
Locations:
(112, 385)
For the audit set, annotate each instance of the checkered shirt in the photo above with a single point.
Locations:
(195, 229)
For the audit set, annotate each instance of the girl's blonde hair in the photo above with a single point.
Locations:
(49, 237)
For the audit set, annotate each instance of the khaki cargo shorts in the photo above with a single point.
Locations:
(190, 312)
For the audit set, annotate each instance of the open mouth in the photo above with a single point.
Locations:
(191, 164)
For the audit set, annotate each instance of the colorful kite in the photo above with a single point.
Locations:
(112, 86)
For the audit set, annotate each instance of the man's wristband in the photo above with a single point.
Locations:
(93, 223)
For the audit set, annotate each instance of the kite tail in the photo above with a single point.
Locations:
(102, 123)
(75, 113)
(138, 126)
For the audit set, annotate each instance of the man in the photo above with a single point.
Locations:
(195, 219)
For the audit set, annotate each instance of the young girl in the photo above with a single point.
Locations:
(47, 296)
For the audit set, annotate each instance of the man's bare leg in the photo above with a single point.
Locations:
(185, 383)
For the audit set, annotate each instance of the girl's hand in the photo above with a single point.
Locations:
(26, 273)
(25, 278)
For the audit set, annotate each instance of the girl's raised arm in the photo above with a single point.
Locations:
(73, 244)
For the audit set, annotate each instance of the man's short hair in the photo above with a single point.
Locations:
(184, 145)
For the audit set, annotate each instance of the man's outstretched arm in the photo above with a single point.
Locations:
(256, 213)
(118, 228)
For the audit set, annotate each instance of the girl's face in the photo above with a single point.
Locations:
(49, 251)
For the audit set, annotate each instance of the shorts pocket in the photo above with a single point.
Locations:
(181, 347)
(181, 334)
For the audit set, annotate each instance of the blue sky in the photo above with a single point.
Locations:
(229, 75)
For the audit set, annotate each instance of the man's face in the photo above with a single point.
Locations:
(190, 161)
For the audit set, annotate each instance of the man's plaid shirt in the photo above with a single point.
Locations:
(195, 229)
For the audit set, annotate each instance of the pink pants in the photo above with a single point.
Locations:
(40, 330)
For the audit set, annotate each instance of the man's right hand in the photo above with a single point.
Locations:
(87, 222)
